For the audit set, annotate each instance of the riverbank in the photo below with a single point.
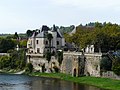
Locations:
(104, 83)
(12, 71)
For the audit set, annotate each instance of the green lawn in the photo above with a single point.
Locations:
(99, 82)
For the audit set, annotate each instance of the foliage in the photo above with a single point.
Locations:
(29, 68)
(66, 29)
(68, 37)
(49, 37)
(16, 36)
(23, 43)
(5, 62)
(17, 59)
(60, 56)
(105, 64)
(6, 44)
(104, 36)
(29, 33)
(116, 65)
(48, 56)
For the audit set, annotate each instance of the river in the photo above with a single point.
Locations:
(23, 82)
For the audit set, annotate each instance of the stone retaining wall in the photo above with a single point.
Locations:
(110, 74)
(89, 62)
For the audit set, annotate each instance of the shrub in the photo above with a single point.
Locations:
(48, 56)
(4, 62)
(106, 64)
(60, 56)
(116, 66)
(29, 68)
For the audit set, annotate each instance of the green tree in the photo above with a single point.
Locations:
(60, 56)
(29, 33)
(49, 37)
(17, 59)
(29, 68)
(6, 44)
(23, 44)
(16, 36)
(106, 64)
(48, 56)
(104, 37)
(116, 65)
(5, 62)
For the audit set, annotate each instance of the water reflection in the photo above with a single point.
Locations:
(22, 82)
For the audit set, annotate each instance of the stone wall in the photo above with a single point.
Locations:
(110, 74)
(42, 65)
(89, 64)
(37, 62)
(71, 64)
(92, 64)
(74, 63)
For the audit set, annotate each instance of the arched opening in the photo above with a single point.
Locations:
(74, 73)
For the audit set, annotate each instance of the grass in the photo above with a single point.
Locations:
(104, 83)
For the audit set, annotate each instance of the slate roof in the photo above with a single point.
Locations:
(33, 35)
(59, 34)
(45, 29)
(40, 35)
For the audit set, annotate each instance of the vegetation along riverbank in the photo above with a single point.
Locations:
(104, 83)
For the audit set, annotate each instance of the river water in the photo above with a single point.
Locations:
(22, 82)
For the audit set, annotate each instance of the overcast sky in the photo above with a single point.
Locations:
(21, 15)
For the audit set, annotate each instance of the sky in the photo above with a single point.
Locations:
(21, 15)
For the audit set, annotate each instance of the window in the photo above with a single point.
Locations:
(57, 42)
(46, 42)
(38, 50)
(37, 42)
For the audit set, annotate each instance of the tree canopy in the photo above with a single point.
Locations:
(6, 44)
(104, 36)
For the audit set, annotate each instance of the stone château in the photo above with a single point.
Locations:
(39, 43)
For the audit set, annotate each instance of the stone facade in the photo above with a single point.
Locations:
(39, 43)
(75, 64)
(41, 64)
(70, 65)
(92, 64)
(78, 64)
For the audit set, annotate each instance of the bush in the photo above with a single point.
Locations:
(17, 59)
(5, 62)
(60, 56)
(116, 66)
(29, 68)
(48, 56)
(106, 64)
